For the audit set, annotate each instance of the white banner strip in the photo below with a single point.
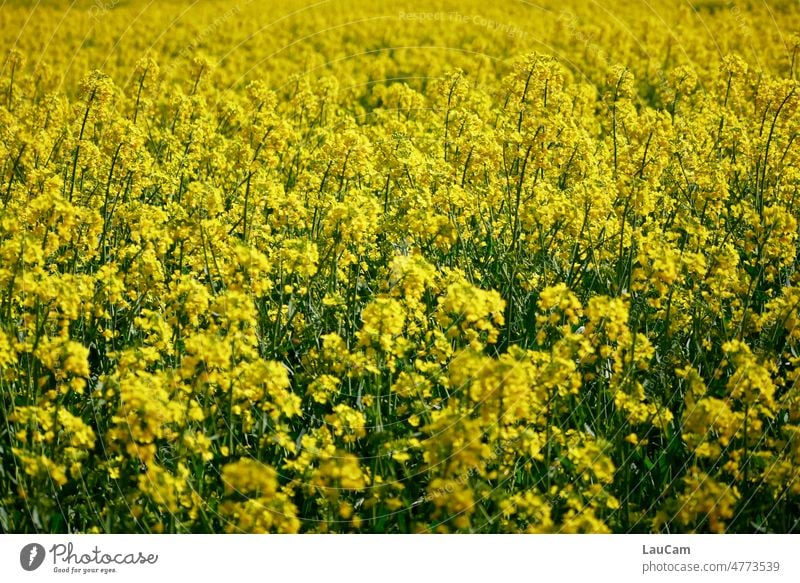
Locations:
(401, 558)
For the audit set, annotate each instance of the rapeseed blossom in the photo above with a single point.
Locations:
(403, 276)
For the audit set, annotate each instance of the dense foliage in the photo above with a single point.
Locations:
(350, 266)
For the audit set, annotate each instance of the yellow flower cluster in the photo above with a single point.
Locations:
(372, 267)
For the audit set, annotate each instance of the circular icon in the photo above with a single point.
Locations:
(31, 556)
